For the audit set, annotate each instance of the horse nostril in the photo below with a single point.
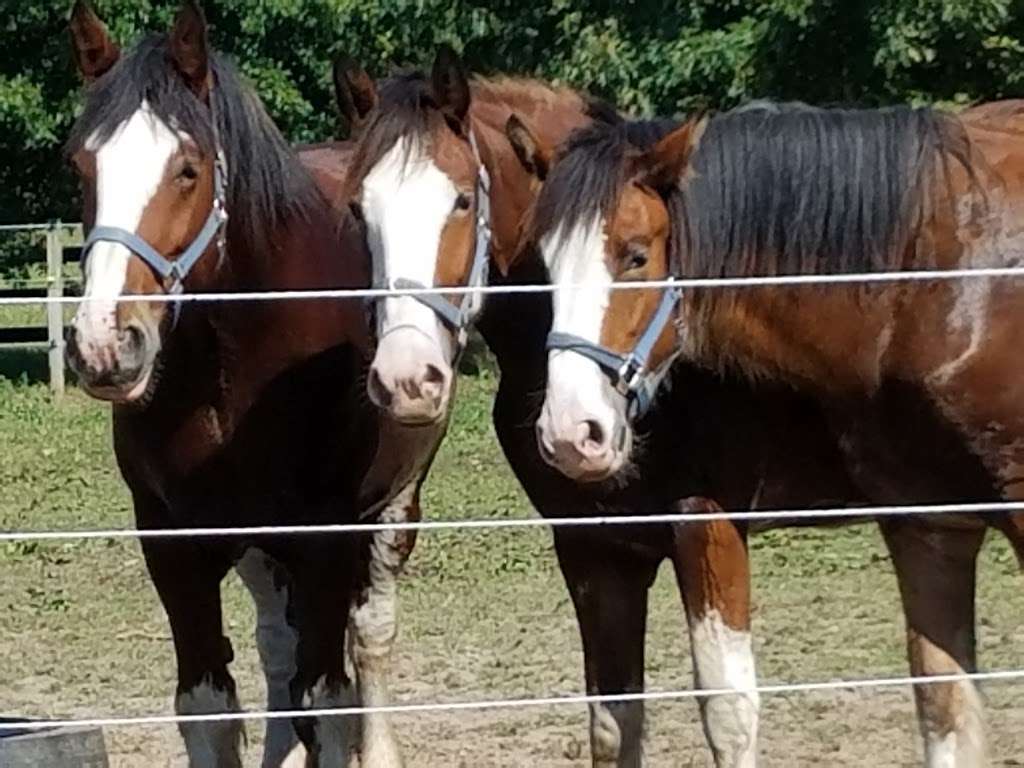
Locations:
(432, 386)
(378, 392)
(133, 337)
(433, 375)
(594, 434)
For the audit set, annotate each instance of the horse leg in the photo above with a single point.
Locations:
(936, 573)
(609, 586)
(713, 572)
(276, 641)
(321, 599)
(373, 626)
(189, 588)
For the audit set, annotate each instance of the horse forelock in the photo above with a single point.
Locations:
(589, 175)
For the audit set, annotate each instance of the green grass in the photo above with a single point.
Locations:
(483, 614)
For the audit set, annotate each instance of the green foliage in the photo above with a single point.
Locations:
(649, 56)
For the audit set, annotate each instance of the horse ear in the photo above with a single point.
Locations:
(95, 53)
(354, 91)
(451, 85)
(188, 47)
(665, 164)
(533, 154)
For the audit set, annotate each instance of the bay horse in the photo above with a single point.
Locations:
(238, 414)
(914, 383)
(415, 133)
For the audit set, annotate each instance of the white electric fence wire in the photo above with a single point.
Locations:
(701, 282)
(777, 517)
(548, 701)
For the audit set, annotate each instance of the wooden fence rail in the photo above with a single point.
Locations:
(62, 243)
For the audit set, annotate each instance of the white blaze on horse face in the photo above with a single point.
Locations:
(723, 658)
(578, 390)
(406, 203)
(130, 166)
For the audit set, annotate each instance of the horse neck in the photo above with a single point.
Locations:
(315, 249)
(553, 115)
(828, 338)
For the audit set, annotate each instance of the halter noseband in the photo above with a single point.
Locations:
(628, 372)
(172, 274)
(458, 318)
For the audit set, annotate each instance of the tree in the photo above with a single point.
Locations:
(649, 56)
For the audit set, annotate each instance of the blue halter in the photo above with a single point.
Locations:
(458, 318)
(172, 274)
(628, 372)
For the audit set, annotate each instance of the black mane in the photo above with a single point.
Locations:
(590, 171)
(267, 185)
(792, 189)
(775, 188)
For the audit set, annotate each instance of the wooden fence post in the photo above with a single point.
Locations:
(54, 310)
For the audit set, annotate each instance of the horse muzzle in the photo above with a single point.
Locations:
(115, 366)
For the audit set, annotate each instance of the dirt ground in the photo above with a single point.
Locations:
(483, 616)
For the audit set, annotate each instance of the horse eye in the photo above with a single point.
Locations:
(636, 256)
(462, 203)
(189, 173)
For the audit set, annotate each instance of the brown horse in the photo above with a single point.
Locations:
(914, 383)
(429, 158)
(608, 572)
(238, 414)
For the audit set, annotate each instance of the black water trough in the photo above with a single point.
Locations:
(51, 747)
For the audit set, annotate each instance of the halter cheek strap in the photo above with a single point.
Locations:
(172, 274)
(458, 318)
(628, 373)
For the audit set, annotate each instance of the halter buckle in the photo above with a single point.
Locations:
(174, 283)
(627, 376)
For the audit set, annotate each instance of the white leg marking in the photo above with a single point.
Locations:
(605, 737)
(950, 704)
(210, 744)
(130, 167)
(334, 735)
(723, 658)
(373, 626)
(940, 751)
(276, 641)
(964, 747)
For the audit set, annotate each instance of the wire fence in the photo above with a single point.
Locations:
(693, 283)
(523, 703)
(604, 521)
(609, 521)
